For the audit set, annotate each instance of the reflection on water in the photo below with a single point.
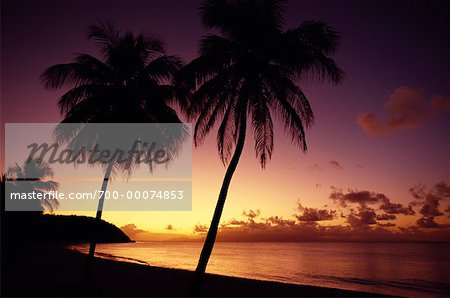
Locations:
(408, 269)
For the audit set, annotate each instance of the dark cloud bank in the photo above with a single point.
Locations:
(366, 216)
(353, 216)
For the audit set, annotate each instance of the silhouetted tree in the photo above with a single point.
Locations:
(24, 216)
(32, 176)
(130, 84)
(250, 71)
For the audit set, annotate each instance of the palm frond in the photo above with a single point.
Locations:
(151, 43)
(282, 85)
(318, 35)
(198, 71)
(262, 130)
(86, 70)
(219, 48)
(226, 135)
(162, 69)
(220, 84)
(34, 176)
(105, 34)
(306, 57)
(77, 94)
(291, 119)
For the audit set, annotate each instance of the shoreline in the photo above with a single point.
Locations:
(51, 270)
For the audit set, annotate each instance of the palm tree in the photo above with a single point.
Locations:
(22, 222)
(250, 71)
(131, 83)
(35, 176)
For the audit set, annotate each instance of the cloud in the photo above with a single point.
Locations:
(368, 206)
(363, 198)
(251, 213)
(131, 230)
(429, 203)
(427, 222)
(386, 216)
(369, 216)
(314, 214)
(336, 165)
(142, 235)
(406, 108)
(200, 229)
(440, 103)
(364, 228)
(393, 208)
(362, 219)
(250, 223)
(431, 207)
(279, 221)
(442, 189)
(386, 225)
(234, 222)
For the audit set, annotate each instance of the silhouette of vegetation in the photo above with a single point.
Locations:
(249, 72)
(32, 176)
(24, 227)
(35, 227)
(24, 232)
(130, 84)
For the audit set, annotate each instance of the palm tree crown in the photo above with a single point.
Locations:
(250, 70)
(130, 84)
(33, 175)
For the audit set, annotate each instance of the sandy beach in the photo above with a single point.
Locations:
(50, 270)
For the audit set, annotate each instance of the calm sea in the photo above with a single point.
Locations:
(406, 269)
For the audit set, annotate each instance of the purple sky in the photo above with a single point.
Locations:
(385, 45)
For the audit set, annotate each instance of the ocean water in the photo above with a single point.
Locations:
(404, 269)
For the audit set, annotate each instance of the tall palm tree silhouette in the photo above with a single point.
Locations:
(130, 84)
(249, 71)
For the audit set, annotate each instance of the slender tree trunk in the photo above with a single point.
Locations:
(97, 224)
(196, 281)
(98, 216)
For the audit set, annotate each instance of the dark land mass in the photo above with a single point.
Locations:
(46, 228)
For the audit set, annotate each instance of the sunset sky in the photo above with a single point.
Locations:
(383, 131)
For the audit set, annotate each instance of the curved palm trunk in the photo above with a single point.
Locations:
(98, 217)
(195, 284)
